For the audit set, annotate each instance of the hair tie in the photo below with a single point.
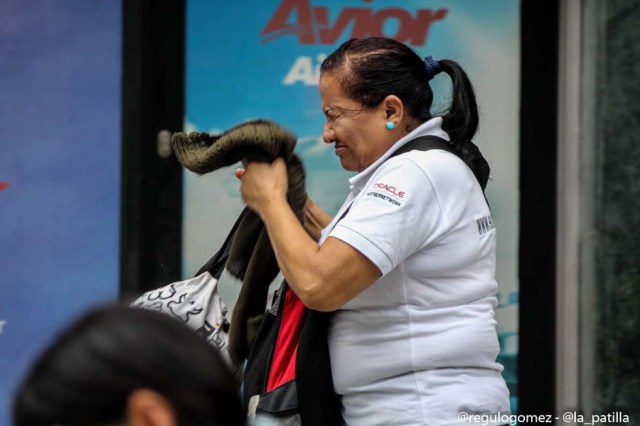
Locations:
(432, 66)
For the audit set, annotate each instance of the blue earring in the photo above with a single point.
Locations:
(391, 125)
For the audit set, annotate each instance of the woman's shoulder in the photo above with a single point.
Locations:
(434, 164)
(441, 171)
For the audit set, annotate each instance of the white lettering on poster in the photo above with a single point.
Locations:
(304, 71)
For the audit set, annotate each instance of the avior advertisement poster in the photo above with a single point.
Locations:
(257, 59)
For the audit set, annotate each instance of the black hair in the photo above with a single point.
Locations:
(373, 68)
(87, 374)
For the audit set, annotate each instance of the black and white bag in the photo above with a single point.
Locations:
(196, 302)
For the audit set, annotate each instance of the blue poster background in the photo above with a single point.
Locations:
(60, 67)
(259, 59)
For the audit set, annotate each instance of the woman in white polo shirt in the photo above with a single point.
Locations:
(408, 263)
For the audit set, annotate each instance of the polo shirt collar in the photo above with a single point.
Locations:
(432, 127)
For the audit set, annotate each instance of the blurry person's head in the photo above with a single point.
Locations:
(128, 366)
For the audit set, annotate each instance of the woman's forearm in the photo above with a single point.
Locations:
(315, 219)
(296, 249)
(324, 277)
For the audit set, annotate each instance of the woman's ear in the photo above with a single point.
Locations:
(393, 108)
(148, 408)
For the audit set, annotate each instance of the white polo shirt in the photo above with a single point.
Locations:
(419, 346)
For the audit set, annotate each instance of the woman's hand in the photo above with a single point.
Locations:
(263, 183)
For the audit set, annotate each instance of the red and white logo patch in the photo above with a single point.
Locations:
(389, 188)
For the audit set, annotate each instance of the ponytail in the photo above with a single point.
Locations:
(461, 121)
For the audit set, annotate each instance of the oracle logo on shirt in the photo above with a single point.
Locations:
(389, 188)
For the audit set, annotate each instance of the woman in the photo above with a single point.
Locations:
(128, 366)
(408, 263)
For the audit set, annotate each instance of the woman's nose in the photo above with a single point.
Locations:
(328, 135)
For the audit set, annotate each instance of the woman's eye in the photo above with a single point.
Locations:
(331, 114)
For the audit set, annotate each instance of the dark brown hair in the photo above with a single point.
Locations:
(86, 375)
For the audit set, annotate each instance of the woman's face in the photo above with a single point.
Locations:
(359, 133)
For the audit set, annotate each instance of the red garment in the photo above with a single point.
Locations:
(283, 364)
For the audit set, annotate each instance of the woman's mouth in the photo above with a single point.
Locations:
(340, 149)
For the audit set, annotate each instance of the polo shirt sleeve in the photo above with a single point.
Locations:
(395, 215)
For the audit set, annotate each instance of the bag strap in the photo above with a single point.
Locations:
(215, 265)
(425, 143)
